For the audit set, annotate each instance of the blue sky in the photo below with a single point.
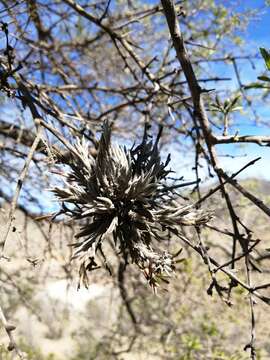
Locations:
(258, 27)
(256, 35)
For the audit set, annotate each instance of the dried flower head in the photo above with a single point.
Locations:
(123, 194)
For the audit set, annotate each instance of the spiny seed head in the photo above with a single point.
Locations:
(123, 194)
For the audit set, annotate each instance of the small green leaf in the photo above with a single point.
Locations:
(266, 56)
(234, 100)
(236, 108)
(226, 104)
(256, 86)
(264, 78)
(217, 101)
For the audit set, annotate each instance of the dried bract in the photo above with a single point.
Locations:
(123, 194)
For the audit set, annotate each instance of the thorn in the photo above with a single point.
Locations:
(11, 346)
(10, 327)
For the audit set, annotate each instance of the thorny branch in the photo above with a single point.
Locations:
(211, 140)
(9, 328)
